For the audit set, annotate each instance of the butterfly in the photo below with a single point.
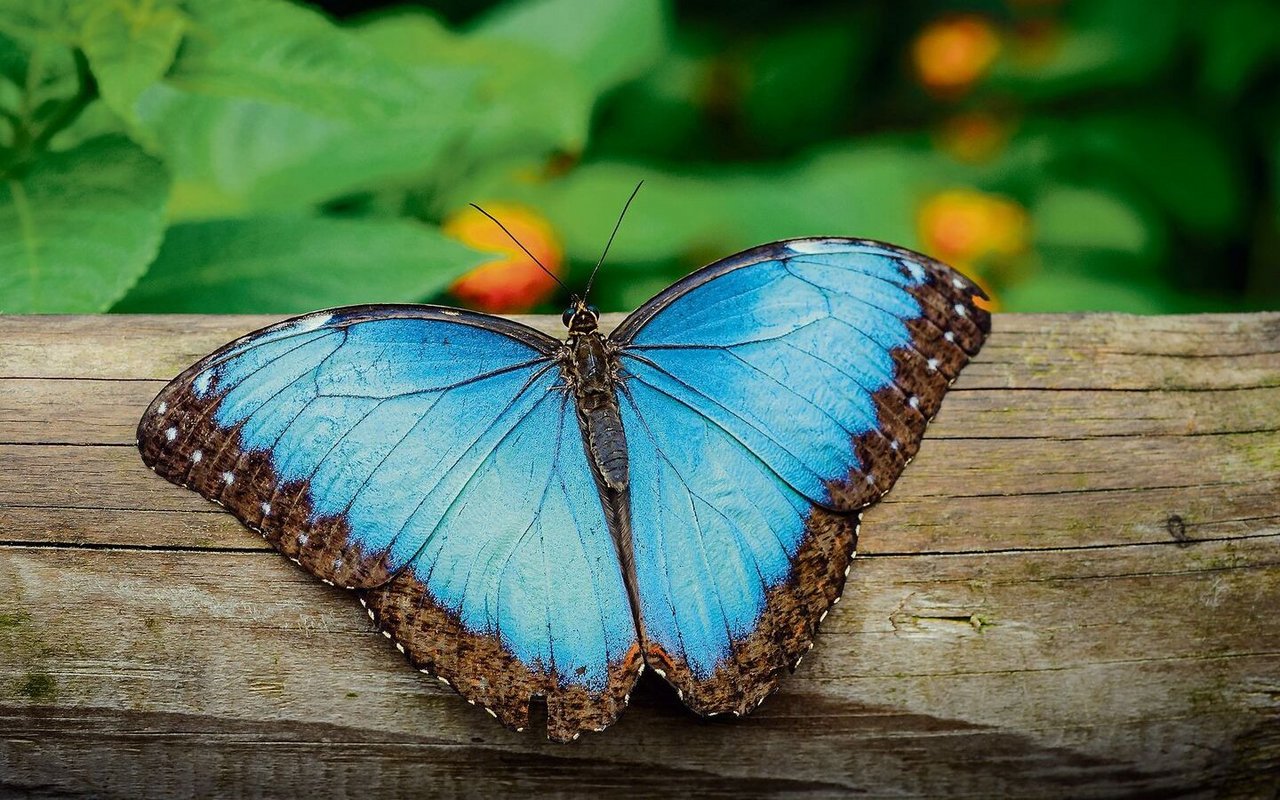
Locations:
(530, 517)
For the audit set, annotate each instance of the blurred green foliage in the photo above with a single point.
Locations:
(272, 156)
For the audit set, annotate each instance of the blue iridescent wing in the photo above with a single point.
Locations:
(766, 399)
(430, 459)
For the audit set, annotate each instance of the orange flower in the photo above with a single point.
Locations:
(513, 283)
(951, 54)
(967, 228)
(965, 225)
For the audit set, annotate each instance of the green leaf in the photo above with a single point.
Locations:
(130, 45)
(605, 41)
(280, 53)
(518, 98)
(233, 156)
(79, 227)
(38, 78)
(1090, 220)
(271, 107)
(96, 120)
(295, 264)
(44, 21)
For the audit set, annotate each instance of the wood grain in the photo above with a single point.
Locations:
(1074, 591)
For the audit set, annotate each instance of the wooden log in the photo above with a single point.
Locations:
(1073, 591)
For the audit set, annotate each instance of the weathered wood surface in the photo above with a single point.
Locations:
(1073, 591)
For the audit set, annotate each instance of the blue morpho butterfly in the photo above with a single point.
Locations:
(529, 517)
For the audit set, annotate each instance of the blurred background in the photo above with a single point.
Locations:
(270, 156)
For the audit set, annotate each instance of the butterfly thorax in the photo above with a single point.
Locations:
(591, 369)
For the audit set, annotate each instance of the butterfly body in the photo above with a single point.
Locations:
(529, 517)
(591, 367)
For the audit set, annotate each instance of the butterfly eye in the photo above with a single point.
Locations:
(595, 312)
(567, 316)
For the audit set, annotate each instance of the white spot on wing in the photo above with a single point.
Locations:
(932, 365)
(961, 310)
(913, 401)
(451, 313)
(171, 434)
(818, 246)
(266, 509)
(202, 382)
(956, 282)
(302, 538)
(197, 456)
(310, 322)
(163, 407)
(917, 271)
(949, 336)
(228, 478)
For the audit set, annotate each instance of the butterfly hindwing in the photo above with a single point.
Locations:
(718, 541)
(767, 398)
(430, 459)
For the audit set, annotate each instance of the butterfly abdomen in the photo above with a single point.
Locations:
(592, 370)
(607, 445)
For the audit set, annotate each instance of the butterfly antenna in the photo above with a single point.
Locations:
(616, 225)
(513, 238)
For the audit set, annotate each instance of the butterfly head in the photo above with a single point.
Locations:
(580, 317)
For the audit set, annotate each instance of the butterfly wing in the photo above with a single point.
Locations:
(766, 398)
(430, 459)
